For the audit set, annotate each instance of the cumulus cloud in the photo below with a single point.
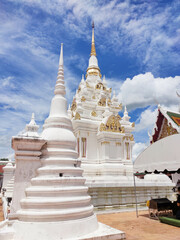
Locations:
(146, 120)
(146, 30)
(137, 149)
(144, 90)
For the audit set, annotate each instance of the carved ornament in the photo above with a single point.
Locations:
(112, 125)
(105, 142)
(94, 114)
(83, 99)
(131, 138)
(102, 102)
(133, 124)
(87, 85)
(99, 86)
(79, 89)
(77, 116)
(73, 105)
(109, 102)
(167, 130)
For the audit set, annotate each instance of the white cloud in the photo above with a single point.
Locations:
(146, 30)
(137, 149)
(146, 120)
(144, 90)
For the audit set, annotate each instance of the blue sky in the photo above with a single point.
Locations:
(138, 49)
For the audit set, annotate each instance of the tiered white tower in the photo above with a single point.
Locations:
(55, 203)
(57, 198)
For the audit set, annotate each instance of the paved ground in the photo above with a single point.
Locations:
(141, 228)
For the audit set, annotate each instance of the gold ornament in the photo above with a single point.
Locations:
(120, 106)
(102, 102)
(105, 142)
(131, 138)
(79, 89)
(122, 130)
(109, 102)
(112, 125)
(99, 86)
(167, 130)
(102, 127)
(93, 50)
(94, 114)
(133, 124)
(87, 85)
(83, 99)
(74, 105)
(125, 138)
(77, 116)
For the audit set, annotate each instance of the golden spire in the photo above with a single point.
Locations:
(93, 50)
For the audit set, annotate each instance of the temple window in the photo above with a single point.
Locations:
(83, 149)
(127, 150)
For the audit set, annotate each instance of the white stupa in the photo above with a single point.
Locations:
(56, 204)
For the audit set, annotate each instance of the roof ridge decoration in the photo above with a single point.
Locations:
(173, 123)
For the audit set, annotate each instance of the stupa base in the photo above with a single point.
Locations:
(104, 232)
(71, 229)
(16, 230)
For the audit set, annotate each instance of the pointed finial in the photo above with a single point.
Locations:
(93, 50)
(31, 128)
(61, 56)
(69, 108)
(60, 87)
(82, 80)
(126, 117)
(92, 24)
(32, 122)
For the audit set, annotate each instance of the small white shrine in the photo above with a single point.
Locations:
(105, 141)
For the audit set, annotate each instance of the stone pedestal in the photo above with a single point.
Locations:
(27, 156)
(8, 174)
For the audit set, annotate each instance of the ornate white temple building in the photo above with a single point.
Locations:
(105, 141)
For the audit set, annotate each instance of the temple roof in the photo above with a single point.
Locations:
(168, 117)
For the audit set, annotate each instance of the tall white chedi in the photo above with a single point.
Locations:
(57, 205)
